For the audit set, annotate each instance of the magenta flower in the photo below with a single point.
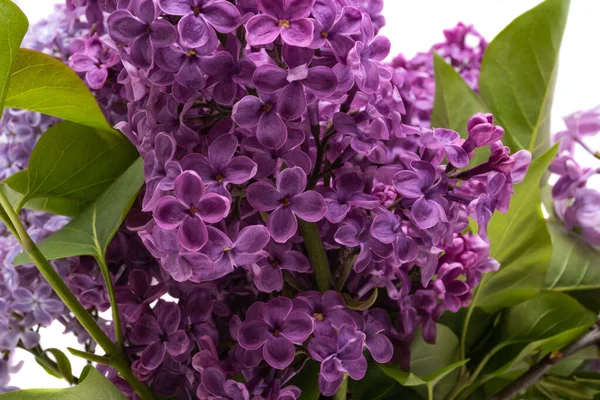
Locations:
(287, 201)
(342, 353)
(142, 32)
(387, 228)
(94, 59)
(449, 288)
(448, 141)
(161, 334)
(199, 17)
(261, 112)
(189, 209)
(347, 192)
(327, 310)
(221, 168)
(334, 29)
(287, 18)
(268, 275)
(275, 327)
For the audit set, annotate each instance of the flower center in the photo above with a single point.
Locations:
(148, 29)
(318, 316)
(267, 107)
(192, 210)
(196, 11)
(324, 35)
(226, 249)
(284, 23)
(275, 263)
(219, 178)
(285, 201)
(164, 338)
(191, 52)
(276, 332)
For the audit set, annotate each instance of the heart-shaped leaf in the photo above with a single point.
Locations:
(12, 30)
(92, 386)
(518, 74)
(43, 83)
(574, 263)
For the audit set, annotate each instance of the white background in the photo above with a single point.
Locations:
(414, 26)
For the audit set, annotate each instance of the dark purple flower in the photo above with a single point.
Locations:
(142, 32)
(275, 328)
(378, 344)
(247, 248)
(287, 18)
(335, 30)
(160, 334)
(94, 59)
(366, 137)
(268, 273)
(215, 385)
(342, 353)
(429, 206)
(347, 192)
(196, 317)
(221, 168)
(188, 211)
(287, 200)
(160, 169)
(450, 289)
(199, 17)
(327, 310)
(137, 295)
(387, 228)
(261, 112)
(364, 58)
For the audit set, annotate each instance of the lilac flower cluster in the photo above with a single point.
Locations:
(255, 118)
(463, 49)
(574, 202)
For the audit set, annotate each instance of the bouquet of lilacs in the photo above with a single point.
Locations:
(271, 210)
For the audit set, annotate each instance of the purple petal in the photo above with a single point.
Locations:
(262, 29)
(269, 279)
(248, 111)
(253, 334)
(425, 213)
(380, 348)
(278, 352)
(252, 239)
(222, 150)
(379, 48)
(163, 33)
(349, 21)
(222, 15)
(192, 233)
(383, 229)
(270, 78)
(271, 131)
(175, 7)
(321, 347)
(324, 11)
(291, 181)
(213, 379)
(457, 156)
(300, 32)
(193, 31)
(297, 327)
(282, 224)
(277, 310)
(178, 343)
(82, 62)
(124, 27)
(189, 188)
(239, 170)
(356, 368)
(406, 248)
(309, 206)
(291, 102)
(294, 261)
(96, 77)
(212, 208)
(169, 212)
(263, 196)
(296, 9)
(321, 81)
(145, 10)
(141, 51)
(153, 355)
(408, 184)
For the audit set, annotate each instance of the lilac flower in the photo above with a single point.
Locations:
(221, 168)
(227, 73)
(447, 140)
(160, 169)
(585, 214)
(287, 18)
(142, 31)
(11, 332)
(366, 137)
(247, 248)
(161, 334)
(214, 384)
(453, 292)
(138, 295)
(290, 85)
(94, 59)
(197, 317)
(363, 58)
(378, 344)
(275, 328)
(327, 310)
(40, 302)
(429, 207)
(188, 211)
(387, 228)
(268, 273)
(261, 112)
(347, 192)
(287, 200)
(342, 353)
(335, 30)
(481, 132)
(198, 18)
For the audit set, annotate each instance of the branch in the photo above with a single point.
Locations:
(536, 372)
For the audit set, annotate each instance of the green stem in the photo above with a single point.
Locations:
(342, 392)
(316, 253)
(89, 356)
(113, 300)
(48, 363)
(55, 280)
(430, 391)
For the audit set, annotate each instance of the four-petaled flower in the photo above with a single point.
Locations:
(287, 18)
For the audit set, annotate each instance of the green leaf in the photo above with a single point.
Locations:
(518, 74)
(91, 231)
(63, 363)
(72, 165)
(574, 263)
(92, 386)
(42, 83)
(307, 380)
(375, 385)
(358, 305)
(455, 102)
(545, 323)
(430, 363)
(523, 262)
(12, 30)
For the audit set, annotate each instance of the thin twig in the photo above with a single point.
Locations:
(536, 372)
